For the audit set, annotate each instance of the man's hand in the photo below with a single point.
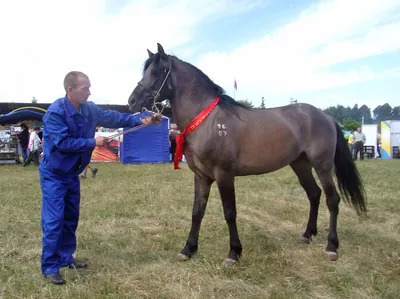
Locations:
(101, 141)
(154, 118)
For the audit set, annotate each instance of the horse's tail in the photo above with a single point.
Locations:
(348, 178)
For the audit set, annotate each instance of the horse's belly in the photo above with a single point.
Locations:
(249, 169)
(260, 161)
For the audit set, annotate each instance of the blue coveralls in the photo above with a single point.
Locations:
(68, 137)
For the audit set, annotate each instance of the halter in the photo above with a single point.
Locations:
(155, 94)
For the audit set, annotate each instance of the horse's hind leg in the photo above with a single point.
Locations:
(226, 188)
(332, 200)
(303, 169)
(202, 188)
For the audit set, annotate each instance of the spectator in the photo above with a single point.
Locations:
(359, 141)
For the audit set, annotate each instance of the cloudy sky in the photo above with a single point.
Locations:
(324, 52)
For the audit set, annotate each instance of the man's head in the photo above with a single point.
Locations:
(359, 130)
(24, 126)
(77, 87)
(37, 129)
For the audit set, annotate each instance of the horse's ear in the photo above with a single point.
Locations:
(149, 52)
(160, 49)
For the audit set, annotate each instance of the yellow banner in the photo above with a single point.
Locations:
(386, 148)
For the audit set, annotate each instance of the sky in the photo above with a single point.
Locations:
(324, 53)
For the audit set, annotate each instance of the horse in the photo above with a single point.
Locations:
(223, 139)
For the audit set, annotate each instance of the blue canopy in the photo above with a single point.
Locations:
(19, 116)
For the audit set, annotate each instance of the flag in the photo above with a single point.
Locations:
(235, 84)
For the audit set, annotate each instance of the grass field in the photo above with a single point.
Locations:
(136, 218)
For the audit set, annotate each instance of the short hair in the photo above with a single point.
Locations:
(71, 78)
(36, 129)
(24, 126)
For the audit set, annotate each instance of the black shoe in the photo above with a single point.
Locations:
(94, 171)
(55, 278)
(77, 265)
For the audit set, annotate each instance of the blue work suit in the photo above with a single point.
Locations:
(68, 143)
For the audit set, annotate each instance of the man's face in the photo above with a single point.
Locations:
(81, 91)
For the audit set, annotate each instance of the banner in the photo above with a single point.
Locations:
(386, 148)
(108, 153)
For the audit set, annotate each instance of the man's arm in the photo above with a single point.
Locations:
(115, 119)
(57, 131)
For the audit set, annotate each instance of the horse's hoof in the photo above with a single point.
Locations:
(304, 240)
(331, 256)
(230, 262)
(182, 258)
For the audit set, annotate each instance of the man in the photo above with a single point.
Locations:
(34, 147)
(359, 140)
(379, 144)
(68, 141)
(23, 138)
(173, 132)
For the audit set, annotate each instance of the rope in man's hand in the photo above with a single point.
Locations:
(154, 118)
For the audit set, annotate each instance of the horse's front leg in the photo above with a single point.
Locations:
(226, 188)
(202, 188)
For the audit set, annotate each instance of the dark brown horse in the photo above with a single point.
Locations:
(236, 141)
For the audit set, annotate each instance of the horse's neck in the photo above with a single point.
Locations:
(186, 108)
(189, 99)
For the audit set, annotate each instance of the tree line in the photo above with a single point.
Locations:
(351, 118)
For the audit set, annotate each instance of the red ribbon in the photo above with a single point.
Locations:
(197, 121)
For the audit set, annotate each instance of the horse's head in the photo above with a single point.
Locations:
(156, 84)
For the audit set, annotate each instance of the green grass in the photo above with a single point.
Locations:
(136, 218)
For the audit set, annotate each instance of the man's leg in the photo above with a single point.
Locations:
(94, 171)
(53, 193)
(361, 151)
(378, 150)
(28, 160)
(71, 218)
(24, 153)
(355, 150)
(83, 175)
(36, 158)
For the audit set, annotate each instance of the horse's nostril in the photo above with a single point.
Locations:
(132, 101)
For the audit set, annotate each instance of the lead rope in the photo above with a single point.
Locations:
(137, 127)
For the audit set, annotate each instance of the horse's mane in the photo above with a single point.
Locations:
(225, 102)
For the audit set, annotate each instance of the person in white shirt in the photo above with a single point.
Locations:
(34, 147)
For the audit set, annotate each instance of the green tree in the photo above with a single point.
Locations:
(262, 106)
(366, 113)
(396, 113)
(356, 113)
(348, 113)
(350, 124)
(383, 112)
(340, 113)
(331, 111)
(246, 103)
(34, 100)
